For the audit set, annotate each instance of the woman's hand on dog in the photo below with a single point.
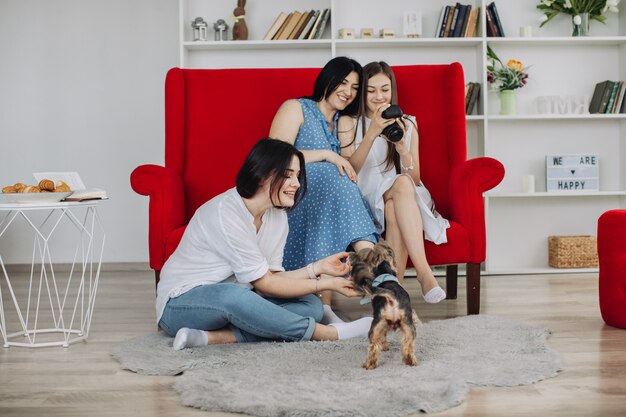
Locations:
(336, 265)
(344, 286)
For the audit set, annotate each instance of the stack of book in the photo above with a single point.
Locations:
(297, 25)
(458, 21)
(608, 97)
(494, 25)
(472, 92)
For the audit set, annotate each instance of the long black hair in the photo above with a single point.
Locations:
(270, 158)
(332, 75)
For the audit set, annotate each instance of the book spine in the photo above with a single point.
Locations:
(458, 27)
(474, 97)
(620, 97)
(439, 22)
(455, 17)
(491, 27)
(282, 27)
(466, 18)
(496, 19)
(444, 22)
(315, 25)
(309, 25)
(598, 91)
(608, 89)
(609, 104)
(473, 23)
(322, 26)
(446, 32)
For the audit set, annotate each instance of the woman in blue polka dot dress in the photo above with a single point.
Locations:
(333, 214)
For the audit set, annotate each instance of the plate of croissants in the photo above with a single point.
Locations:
(46, 191)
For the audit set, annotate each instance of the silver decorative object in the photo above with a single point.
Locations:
(199, 27)
(221, 28)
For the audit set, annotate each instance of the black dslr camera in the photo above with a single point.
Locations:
(394, 132)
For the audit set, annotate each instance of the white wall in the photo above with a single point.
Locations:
(81, 89)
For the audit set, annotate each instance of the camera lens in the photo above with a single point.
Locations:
(393, 132)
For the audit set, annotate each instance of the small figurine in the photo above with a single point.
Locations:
(240, 29)
(199, 27)
(221, 28)
(346, 33)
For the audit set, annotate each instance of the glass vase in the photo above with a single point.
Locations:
(580, 24)
(508, 102)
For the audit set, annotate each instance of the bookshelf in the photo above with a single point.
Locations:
(518, 224)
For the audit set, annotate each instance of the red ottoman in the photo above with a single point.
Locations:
(612, 259)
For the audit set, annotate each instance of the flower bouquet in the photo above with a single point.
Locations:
(505, 77)
(581, 11)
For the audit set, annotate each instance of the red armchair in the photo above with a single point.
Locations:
(213, 117)
(612, 260)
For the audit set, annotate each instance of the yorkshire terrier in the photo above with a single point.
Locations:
(374, 274)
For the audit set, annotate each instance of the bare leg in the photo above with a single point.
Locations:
(221, 336)
(409, 220)
(362, 244)
(323, 332)
(394, 239)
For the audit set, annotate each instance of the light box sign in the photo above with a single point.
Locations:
(572, 172)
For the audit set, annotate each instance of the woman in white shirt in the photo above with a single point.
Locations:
(388, 174)
(225, 282)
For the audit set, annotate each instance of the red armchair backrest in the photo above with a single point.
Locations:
(214, 116)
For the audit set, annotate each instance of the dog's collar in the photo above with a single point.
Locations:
(383, 278)
(377, 281)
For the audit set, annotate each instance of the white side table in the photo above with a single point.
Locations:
(56, 308)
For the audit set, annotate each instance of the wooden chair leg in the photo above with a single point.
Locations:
(473, 288)
(157, 276)
(452, 273)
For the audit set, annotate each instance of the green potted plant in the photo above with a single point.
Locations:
(505, 79)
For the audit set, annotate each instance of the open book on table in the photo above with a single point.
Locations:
(87, 194)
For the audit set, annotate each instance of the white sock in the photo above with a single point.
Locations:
(435, 295)
(356, 328)
(186, 337)
(330, 316)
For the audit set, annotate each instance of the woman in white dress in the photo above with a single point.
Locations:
(388, 174)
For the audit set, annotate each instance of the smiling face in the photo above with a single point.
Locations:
(285, 195)
(345, 93)
(378, 93)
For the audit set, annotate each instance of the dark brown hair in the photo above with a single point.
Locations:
(270, 158)
(374, 68)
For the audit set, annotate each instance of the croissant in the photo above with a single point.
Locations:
(62, 187)
(30, 189)
(46, 185)
(19, 186)
(9, 189)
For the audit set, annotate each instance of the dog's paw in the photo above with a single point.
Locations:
(410, 360)
(370, 364)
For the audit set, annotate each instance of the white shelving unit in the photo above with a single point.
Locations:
(518, 223)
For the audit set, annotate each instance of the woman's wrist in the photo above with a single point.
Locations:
(312, 270)
(406, 165)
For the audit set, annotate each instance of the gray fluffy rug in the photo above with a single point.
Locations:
(326, 378)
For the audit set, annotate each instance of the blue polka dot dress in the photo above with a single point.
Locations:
(332, 214)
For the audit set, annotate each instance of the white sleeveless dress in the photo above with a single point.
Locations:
(375, 179)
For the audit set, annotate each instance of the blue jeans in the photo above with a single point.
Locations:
(252, 317)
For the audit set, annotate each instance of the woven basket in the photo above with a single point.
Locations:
(572, 251)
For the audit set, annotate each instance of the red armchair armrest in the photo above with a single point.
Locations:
(468, 182)
(167, 206)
